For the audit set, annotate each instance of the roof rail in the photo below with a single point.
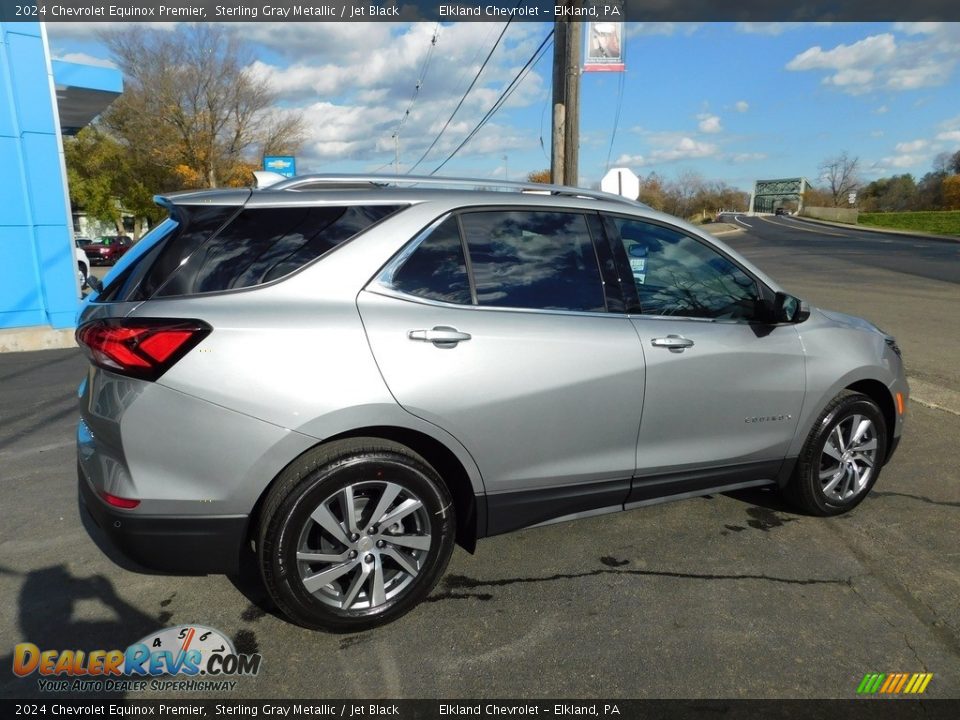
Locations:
(346, 180)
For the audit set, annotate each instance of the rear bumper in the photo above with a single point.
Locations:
(179, 544)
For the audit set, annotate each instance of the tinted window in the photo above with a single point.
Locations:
(542, 260)
(436, 269)
(264, 244)
(197, 224)
(677, 275)
(122, 281)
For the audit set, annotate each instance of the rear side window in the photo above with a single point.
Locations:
(540, 260)
(264, 244)
(436, 269)
(149, 263)
(198, 224)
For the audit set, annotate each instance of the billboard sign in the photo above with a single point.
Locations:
(285, 165)
(604, 51)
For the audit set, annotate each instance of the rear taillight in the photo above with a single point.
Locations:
(140, 347)
(120, 502)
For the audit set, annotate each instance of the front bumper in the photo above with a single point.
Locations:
(179, 544)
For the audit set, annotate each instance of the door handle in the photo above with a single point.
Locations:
(674, 343)
(441, 336)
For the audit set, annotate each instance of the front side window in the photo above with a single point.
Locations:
(528, 259)
(679, 276)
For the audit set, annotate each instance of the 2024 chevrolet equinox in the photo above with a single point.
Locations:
(350, 374)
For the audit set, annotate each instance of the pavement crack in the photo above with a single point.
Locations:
(464, 582)
(894, 626)
(918, 498)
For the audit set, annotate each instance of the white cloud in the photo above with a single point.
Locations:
(917, 76)
(925, 55)
(857, 79)
(709, 123)
(742, 106)
(84, 59)
(918, 28)
(670, 147)
(872, 50)
(57, 31)
(747, 157)
(912, 146)
(638, 29)
(882, 110)
(901, 162)
(356, 86)
(770, 28)
(949, 136)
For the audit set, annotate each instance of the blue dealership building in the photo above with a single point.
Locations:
(40, 101)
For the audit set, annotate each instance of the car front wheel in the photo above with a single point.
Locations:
(354, 534)
(841, 458)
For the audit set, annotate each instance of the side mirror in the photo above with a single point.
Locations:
(789, 309)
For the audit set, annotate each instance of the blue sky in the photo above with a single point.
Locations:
(733, 102)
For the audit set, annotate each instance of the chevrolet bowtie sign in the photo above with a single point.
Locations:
(285, 165)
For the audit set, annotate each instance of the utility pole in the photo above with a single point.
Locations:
(565, 146)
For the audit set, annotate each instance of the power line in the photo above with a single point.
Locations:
(504, 96)
(420, 78)
(459, 104)
(616, 116)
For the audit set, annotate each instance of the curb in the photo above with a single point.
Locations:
(885, 231)
(40, 337)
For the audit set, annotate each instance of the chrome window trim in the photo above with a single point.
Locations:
(377, 289)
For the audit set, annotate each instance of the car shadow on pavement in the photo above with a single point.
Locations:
(50, 618)
(767, 497)
(249, 583)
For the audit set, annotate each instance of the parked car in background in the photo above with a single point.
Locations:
(107, 249)
(781, 211)
(351, 376)
(83, 262)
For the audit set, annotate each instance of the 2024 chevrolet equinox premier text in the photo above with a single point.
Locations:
(349, 375)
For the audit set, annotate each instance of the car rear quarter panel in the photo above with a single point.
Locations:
(178, 454)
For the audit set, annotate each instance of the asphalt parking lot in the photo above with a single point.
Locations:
(726, 596)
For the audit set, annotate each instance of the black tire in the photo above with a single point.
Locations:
(806, 489)
(321, 476)
(84, 271)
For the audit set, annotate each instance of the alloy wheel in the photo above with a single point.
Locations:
(848, 458)
(364, 545)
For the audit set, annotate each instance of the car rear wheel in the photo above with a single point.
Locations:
(354, 534)
(842, 457)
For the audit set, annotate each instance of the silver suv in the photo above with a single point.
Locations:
(348, 375)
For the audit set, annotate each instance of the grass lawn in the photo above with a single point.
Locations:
(946, 222)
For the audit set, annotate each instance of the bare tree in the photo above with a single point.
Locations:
(192, 102)
(841, 175)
